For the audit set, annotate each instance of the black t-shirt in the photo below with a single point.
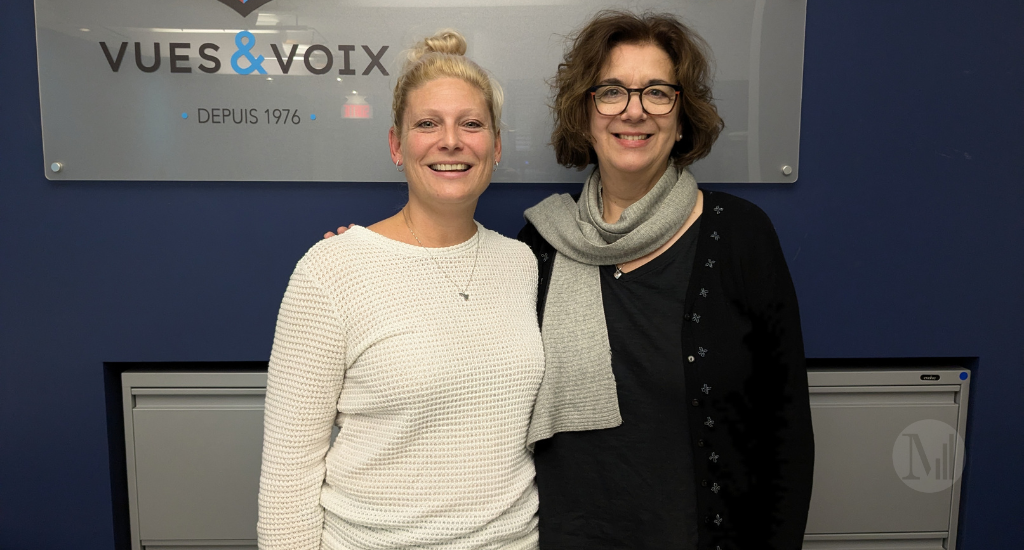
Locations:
(631, 486)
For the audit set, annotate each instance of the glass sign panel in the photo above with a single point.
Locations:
(251, 90)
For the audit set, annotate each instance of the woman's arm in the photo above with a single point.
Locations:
(787, 444)
(303, 384)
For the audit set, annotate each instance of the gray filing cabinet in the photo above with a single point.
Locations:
(864, 450)
(194, 442)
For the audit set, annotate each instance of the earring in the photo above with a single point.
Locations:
(399, 167)
(679, 137)
(495, 165)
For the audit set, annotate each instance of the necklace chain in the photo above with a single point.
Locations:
(463, 292)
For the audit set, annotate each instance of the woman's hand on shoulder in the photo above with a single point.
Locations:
(340, 230)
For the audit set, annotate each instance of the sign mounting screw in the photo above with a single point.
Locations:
(56, 167)
(787, 170)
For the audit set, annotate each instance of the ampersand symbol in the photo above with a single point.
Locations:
(245, 41)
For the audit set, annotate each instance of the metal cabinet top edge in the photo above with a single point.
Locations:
(916, 376)
(196, 379)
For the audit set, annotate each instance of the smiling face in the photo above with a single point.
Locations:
(447, 144)
(634, 147)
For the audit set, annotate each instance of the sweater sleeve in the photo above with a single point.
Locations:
(304, 381)
(781, 373)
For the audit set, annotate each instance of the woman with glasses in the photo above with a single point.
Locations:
(673, 412)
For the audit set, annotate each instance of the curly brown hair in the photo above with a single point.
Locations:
(581, 67)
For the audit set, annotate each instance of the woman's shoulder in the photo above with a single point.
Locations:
(724, 209)
(345, 244)
(504, 245)
(723, 200)
(532, 239)
(343, 255)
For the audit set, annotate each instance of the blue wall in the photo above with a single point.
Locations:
(905, 235)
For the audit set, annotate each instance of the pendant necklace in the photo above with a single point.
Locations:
(463, 292)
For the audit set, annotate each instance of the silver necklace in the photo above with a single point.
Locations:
(464, 292)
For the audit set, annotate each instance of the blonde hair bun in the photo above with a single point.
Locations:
(445, 41)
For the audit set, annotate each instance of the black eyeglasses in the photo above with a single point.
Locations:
(656, 99)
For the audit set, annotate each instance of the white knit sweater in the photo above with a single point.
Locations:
(432, 395)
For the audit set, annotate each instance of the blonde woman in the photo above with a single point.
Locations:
(417, 336)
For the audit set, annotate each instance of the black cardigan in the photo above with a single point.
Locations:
(753, 448)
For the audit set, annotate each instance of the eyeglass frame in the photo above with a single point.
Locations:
(629, 96)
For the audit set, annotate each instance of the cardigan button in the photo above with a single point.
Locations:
(690, 359)
(700, 442)
(695, 402)
(703, 483)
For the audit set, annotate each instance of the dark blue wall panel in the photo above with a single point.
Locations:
(905, 235)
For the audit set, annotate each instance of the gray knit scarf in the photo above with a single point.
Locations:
(578, 390)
